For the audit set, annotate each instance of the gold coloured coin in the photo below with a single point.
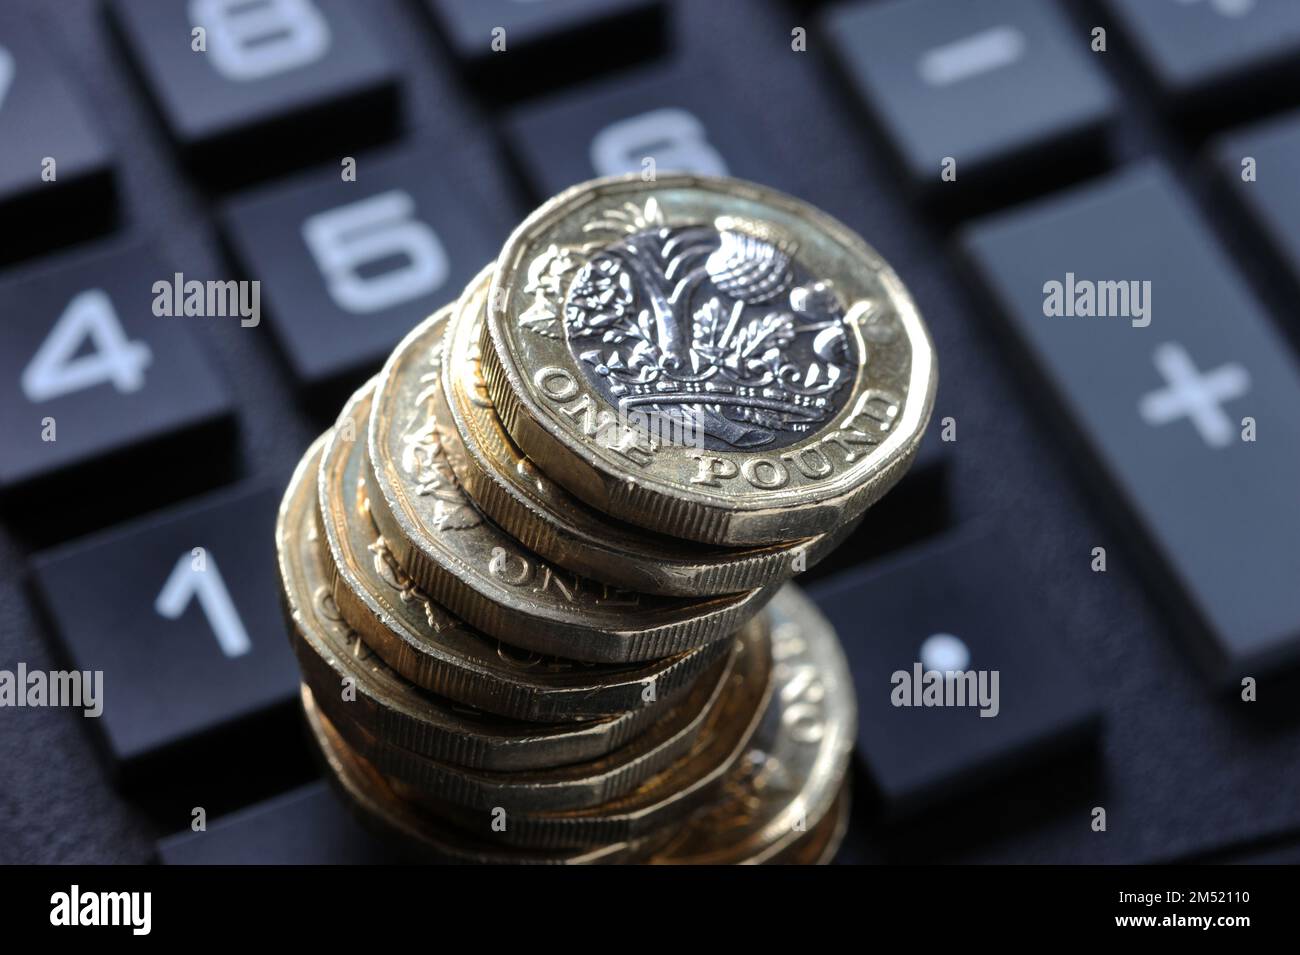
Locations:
(706, 358)
(482, 574)
(670, 795)
(821, 843)
(798, 759)
(350, 682)
(560, 527)
(572, 786)
(416, 833)
(414, 635)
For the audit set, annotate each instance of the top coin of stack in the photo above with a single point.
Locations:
(536, 573)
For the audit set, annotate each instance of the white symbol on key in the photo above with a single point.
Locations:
(944, 652)
(186, 583)
(1226, 8)
(6, 73)
(978, 53)
(1193, 395)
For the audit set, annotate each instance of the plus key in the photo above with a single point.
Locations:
(1198, 397)
(1193, 419)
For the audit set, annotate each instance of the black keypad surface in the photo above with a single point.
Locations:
(307, 826)
(1199, 50)
(497, 42)
(1259, 166)
(55, 162)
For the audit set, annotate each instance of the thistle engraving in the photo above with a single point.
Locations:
(715, 326)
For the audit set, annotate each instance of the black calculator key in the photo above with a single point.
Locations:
(181, 612)
(965, 605)
(915, 508)
(1260, 166)
(507, 47)
(1185, 397)
(992, 85)
(650, 122)
(276, 81)
(1207, 51)
(348, 267)
(307, 826)
(55, 165)
(91, 379)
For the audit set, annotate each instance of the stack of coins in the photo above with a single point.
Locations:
(537, 572)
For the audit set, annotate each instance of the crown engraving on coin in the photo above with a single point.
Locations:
(714, 327)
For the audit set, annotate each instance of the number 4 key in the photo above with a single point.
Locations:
(92, 383)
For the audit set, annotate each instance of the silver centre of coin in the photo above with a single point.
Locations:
(715, 329)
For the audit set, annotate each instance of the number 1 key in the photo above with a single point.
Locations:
(181, 612)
